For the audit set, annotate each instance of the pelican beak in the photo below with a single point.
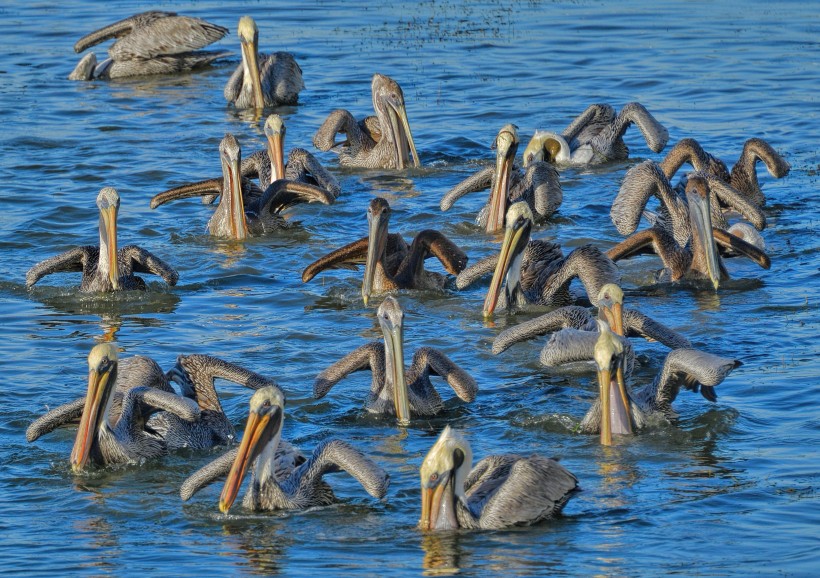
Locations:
(604, 381)
(516, 237)
(702, 237)
(394, 341)
(506, 144)
(432, 495)
(276, 151)
(236, 205)
(625, 402)
(258, 432)
(404, 138)
(100, 385)
(376, 245)
(108, 216)
(615, 317)
(250, 60)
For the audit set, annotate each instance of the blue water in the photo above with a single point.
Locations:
(732, 489)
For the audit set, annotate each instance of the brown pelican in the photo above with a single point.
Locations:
(596, 136)
(617, 412)
(391, 392)
(281, 478)
(575, 330)
(699, 256)
(389, 263)
(536, 271)
(262, 79)
(382, 143)
(104, 267)
(538, 186)
(195, 374)
(502, 490)
(244, 209)
(149, 43)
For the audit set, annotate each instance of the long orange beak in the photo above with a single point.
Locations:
(431, 505)
(276, 152)
(512, 239)
(96, 402)
(108, 216)
(499, 192)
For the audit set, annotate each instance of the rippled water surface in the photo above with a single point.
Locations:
(730, 490)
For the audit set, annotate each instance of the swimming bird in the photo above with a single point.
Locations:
(281, 478)
(384, 142)
(104, 267)
(617, 411)
(596, 136)
(391, 390)
(536, 271)
(500, 491)
(699, 256)
(244, 209)
(538, 186)
(152, 42)
(389, 263)
(262, 79)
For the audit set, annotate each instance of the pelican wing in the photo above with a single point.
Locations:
(573, 345)
(638, 324)
(590, 122)
(738, 245)
(540, 187)
(334, 456)
(744, 176)
(437, 363)
(233, 87)
(478, 181)
(208, 474)
(120, 28)
(368, 356)
(659, 242)
(641, 182)
(341, 121)
(281, 78)
(727, 196)
(429, 243)
(563, 317)
(303, 166)
(471, 274)
(654, 132)
(592, 267)
(284, 193)
(79, 259)
(350, 256)
(59, 416)
(170, 34)
(141, 261)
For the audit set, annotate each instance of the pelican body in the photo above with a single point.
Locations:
(393, 391)
(536, 272)
(262, 80)
(384, 142)
(501, 491)
(596, 136)
(106, 268)
(389, 263)
(148, 43)
(281, 478)
(538, 186)
(244, 209)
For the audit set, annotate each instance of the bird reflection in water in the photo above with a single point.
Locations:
(104, 548)
(263, 545)
(442, 553)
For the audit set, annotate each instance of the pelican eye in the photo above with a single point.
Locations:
(266, 403)
(433, 476)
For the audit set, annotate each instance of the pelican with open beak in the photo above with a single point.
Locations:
(615, 404)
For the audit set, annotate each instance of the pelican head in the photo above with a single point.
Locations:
(505, 145)
(102, 376)
(388, 102)
(700, 216)
(378, 218)
(391, 320)
(275, 133)
(443, 472)
(610, 307)
(230, 154)
(615, 403)
(261, 437)
(516, 237)
(108, 201)
(249, 41)
(546, 146)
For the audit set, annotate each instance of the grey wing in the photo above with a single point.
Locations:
(692, 369)
(73, 260)
(208, 474)
(152, 399)
(439, 364)
(209, 187)
(234, 85)
(281, 78)
(592, 267)
(336, 455)
(119, 28)
(475, 182)
(563, 317)
(726, 195)
(640, 183)
(588, 123)
(283, 193)
(546, 191)
(654, 132)
(59, 416)
(474, 272)
(572, 345)
(141, 261)
(636, 323)
(164, 36)
(368, 356)
(301, 165)
(340, 121)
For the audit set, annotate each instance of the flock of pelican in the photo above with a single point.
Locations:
(132, 412)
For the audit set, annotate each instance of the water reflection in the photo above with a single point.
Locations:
(103, 549)
(263, 544)
(442, 553)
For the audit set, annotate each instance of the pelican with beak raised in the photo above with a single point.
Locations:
(392, 391)
(106, 268)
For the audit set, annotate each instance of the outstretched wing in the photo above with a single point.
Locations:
(478, 181)
(573, 345)
(170, 34)
(368, 356)
(588, 264)
(335, 455)
(59, 416)
(208, 474)
(439, 364)
(78, 259)
(284, 193)
(638, 324)
(141, 261)
(563, 317)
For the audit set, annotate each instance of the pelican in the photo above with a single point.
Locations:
(389, 263)
(699, 257)
(501, 491)
(195, 374)
(536, 271)
(244, 209)
(538, 186)
(596, 136)
(575, 331)
(281, 478)
(149, 43)
(104, 267)
(390, 391)
(262, 79)
(616, 411)
(382, 143)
